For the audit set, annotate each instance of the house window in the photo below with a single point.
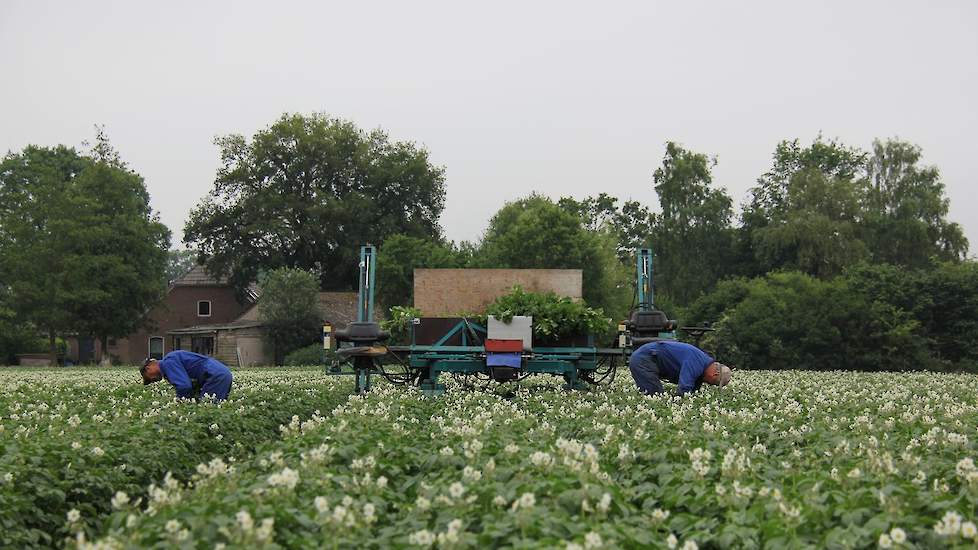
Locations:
(156, 347)
(203, 345)
(204, 308)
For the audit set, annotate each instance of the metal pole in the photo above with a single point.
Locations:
(643, 278)
(365, 299)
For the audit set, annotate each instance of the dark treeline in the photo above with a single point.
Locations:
(839, 257)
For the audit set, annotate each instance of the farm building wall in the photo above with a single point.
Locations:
(247, 344)
(179, 310)
(446, 292)
(339, 308)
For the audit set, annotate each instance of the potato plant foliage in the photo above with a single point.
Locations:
(775, 460)
(70, 439)
(92, 459)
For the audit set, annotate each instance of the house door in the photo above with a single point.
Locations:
(203, 345)
(86, 350)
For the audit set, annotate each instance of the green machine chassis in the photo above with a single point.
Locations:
(423, 364)
(576, 365)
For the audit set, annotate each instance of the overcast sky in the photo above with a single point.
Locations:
(511, 97)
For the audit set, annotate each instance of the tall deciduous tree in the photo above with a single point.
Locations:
(400, 255)
(631, 223)
(35, 225)
(534, 232)
(82, 250)
(805, 212)
(820, 231)
(906, 209)
(119, 247)
(179, 262)
(289, 309)
(692, 234)
(769, 198)
(306, 192)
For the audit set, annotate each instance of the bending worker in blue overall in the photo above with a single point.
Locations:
(677, 362)
(183, 369)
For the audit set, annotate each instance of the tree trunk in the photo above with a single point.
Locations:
(53, 347)
(102, 357)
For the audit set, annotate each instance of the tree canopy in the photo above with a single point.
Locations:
(289, 309)
(827, 206)
(535, 232)
(695, 217)
(179, 262)
(401, 255)
(81, 249)
(306, 192)
(906, 209)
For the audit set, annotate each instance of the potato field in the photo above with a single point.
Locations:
(90, 458)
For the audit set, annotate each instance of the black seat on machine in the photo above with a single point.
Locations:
(642, 340)
(360, 332)
(650, 323)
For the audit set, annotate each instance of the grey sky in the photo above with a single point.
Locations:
(561, 98)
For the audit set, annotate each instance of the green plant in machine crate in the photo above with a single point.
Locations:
(777, 460)
(553, 316)
(399, 323)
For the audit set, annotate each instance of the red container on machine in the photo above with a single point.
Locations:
(504, 346)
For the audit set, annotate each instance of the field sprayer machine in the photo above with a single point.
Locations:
(500, 352)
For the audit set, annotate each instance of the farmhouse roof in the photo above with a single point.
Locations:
(339, 308)
(199, 276)
(202, 329)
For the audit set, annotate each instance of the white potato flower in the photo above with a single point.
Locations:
(264, 531)
(119, 500)
(321, 504)
(369, 512)
(244, 520)
(526, 501)
(423, 537)
(456, 490)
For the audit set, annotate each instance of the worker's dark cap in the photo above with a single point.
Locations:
(142, 371)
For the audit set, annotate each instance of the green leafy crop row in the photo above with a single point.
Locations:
(71, 439)
(774, 460)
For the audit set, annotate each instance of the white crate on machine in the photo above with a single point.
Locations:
(519, 328)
